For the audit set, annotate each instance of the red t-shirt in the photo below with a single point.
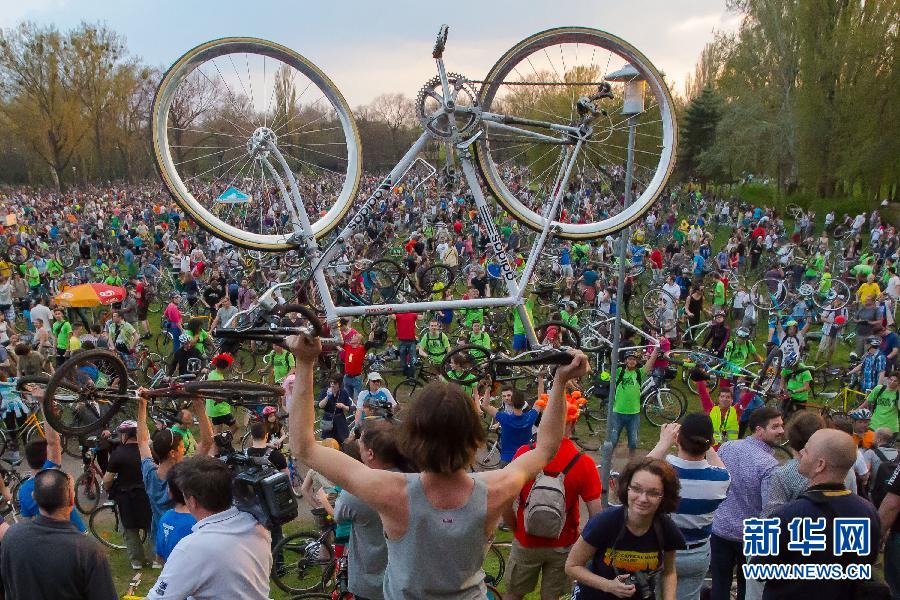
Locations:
(582, 480)
(354, 357)
(656, 258)
(406, 326)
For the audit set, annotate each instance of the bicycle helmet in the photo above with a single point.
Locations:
(874, 342)
(128, 425)
(853, 357)
(185, 338)
(860, 414)
(269, 410)
(743, 332)
(791, 323)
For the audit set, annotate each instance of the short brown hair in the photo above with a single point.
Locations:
(381, 438)
(441, 430)
(761, 417)
(660, 468)
(801, 427)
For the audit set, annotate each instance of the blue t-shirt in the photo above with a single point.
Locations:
(171, 528)
(699, 261)
(564, 258)
(157, 491)
(515, 432)
(29, 508)
(590, 277)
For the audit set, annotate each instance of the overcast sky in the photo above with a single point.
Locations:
(372, 47)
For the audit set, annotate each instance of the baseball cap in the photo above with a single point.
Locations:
(697, 426)
(374, 376)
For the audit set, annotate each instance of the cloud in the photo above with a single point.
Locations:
(722, 20)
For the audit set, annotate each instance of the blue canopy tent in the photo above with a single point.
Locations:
(233, 196)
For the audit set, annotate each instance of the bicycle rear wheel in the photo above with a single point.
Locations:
(305, 563)
(488, 458)
(406, 390)
(94, 379)
(768, 294)
(236, 393)
(105, 526)
(541, 81)
(87, 493)
(588, 427)
(658, 305)
(248, 92)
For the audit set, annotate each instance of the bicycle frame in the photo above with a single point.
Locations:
(515, 286)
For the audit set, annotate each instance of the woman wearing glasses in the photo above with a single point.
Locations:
(628, 551)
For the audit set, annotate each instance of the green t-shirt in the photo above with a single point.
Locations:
(518, 327)
(282, 363)
(797, 381)
(719, 293)
(436, 347)
(884, 411)
(482, 339)
(678, 235)
(33, 276)
(63, 331)
(54, 269)
(466, 382)
(113, 280)
(628, 391)
(471, 315)
(569, 319)
(862, 270)
(190, 444)
(213, 408)
(738, 352)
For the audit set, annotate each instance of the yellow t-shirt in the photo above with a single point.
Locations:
(868, 290)
(74, 343)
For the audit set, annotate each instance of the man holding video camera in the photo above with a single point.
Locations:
(228, 555)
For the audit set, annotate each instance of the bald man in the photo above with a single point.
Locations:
(824, 460)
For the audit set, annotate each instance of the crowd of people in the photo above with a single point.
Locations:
(420, 520)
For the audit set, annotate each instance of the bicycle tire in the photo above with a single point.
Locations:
(762, 297)
(475, 356)
(566, 332)
(236, 393)
(385, 276)
(624, 54)
(669, 409)
(588, 428)
(85, 488)
(655, 302)
(162, 101)
(16, 483)
(435, 279)
(493, 556)
(244, 363)
(104, 525)
(406, 390)
(4, 441)
(310, 566)
(488, 458)
(70, 384)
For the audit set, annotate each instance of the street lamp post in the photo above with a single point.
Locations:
(632, 106)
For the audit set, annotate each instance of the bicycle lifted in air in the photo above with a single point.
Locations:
(244, 129)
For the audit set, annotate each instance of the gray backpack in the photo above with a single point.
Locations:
(545, 507)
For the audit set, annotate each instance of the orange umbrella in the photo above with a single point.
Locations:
(89, 295)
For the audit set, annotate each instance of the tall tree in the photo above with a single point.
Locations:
(698, 132)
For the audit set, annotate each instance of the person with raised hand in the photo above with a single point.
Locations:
(444, 506)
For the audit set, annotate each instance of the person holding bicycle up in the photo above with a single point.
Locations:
(739, 348)
(444, 506)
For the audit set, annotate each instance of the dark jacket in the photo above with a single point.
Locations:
(47, 558)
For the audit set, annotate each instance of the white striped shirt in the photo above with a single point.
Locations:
(703, 488)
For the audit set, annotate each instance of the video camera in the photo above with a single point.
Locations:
(261, 490)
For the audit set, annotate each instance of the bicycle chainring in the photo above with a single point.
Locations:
(431, 98)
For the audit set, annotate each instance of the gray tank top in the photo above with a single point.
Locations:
(442, 553)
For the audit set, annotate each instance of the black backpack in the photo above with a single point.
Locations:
(883, 477)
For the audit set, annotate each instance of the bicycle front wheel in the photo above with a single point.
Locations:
(87, 493)
(303, 563)
(104, 525)
(91, 378)
(213, 116)
(541, 85)
(664, 406)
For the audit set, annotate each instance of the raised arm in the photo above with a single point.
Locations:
(143, 434)
(54, 445)
(205, 445)
(370, 485)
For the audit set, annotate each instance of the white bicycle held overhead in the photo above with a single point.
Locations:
(258, 146)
